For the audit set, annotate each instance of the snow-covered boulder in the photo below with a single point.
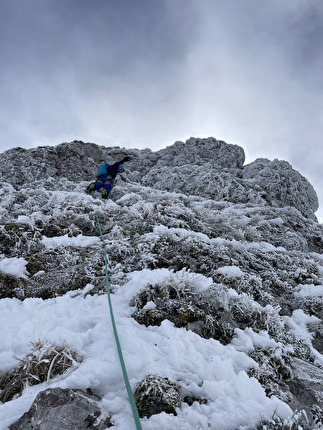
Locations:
(198, 152)
(215, 170)
(64, 409)
(281, 185)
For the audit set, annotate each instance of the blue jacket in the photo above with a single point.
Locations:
(106, 169)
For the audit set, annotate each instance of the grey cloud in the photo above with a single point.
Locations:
(65, 60)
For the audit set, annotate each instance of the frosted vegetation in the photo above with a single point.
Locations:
(218, 296)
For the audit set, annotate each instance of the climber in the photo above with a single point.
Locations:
(105, 179)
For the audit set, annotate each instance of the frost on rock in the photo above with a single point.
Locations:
(64, 409)
(214, 169)
(201, 167)
(282, 185)
(198, 152)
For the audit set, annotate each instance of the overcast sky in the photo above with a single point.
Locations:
(145, 73)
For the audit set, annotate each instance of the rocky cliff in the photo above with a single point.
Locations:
(196, 207)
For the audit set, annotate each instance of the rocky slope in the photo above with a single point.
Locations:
(194, 206)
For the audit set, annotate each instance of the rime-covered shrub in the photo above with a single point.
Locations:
(298, 421)
(156, 394)
(211, 314)
(44, 362)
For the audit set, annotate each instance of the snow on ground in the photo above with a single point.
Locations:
(300, 322)
(231, 271)
(14, 266)
(204, 368)
(78, 241)
(310, 291)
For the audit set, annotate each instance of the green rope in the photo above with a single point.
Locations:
(123, 366)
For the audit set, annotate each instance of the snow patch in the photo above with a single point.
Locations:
(299, 322)
(247, 340)
(149, 306)
(230, 271)
(78, 241)
(310, 291)
(14, 266)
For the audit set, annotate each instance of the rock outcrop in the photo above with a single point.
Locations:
(58, 409)
(202, 167)
(281, 185)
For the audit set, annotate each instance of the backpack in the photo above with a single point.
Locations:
(102, 170)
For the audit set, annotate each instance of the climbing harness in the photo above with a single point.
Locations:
(109, 181)
(122, 363)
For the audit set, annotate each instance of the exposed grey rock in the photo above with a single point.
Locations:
(58, 409)
(307, 389)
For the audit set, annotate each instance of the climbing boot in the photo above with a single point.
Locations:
(90, 188)
(104, 193)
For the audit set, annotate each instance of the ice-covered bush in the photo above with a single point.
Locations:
(156, 394)
(44, 362)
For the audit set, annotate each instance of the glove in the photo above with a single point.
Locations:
(126, 158)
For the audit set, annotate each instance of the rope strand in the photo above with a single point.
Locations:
(122, 363)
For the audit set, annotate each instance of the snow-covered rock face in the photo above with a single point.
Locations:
(201, 167)
(282, 185)
(219, 291)
(214, 169)
(198, 152)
